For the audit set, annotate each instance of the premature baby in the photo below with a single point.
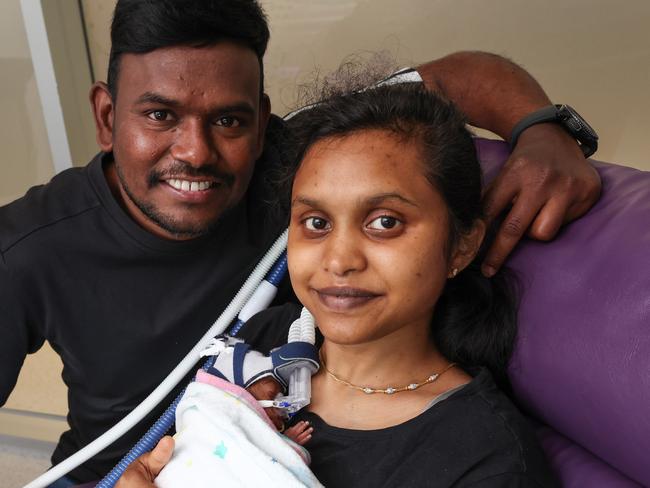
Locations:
(228, 428)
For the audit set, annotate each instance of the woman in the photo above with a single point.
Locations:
(385, 226)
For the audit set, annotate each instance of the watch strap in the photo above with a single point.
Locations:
(546, 114)
(566, 117)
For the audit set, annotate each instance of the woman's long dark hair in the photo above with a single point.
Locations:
(474, 322)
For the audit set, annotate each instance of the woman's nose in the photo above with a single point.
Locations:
(344, 253)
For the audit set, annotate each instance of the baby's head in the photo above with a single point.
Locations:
(386, 220)
(268, 388)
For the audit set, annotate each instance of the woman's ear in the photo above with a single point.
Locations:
(466, 248)
(104, 114)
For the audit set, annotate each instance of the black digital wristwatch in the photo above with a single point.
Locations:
(568, 118)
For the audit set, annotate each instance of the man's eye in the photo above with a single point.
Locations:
(227, 122)
(316, 223)
(159, 115)
(384, 222)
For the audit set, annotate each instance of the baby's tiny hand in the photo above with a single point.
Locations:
(300, 433)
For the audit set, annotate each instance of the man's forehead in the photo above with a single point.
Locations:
(222, 66)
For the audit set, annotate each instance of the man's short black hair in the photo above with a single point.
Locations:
(141, 26)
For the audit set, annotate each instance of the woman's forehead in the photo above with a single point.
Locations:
(370, 154)
(368, 168)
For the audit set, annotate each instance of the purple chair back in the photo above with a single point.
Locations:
(582, 361)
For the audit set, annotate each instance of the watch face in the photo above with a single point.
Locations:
(575, 122)
(579, 128)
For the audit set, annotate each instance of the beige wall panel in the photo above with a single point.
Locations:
(65, 35)
(25, 162)
(98, 15)
(26, 158)
(40, 388)
(593, 55)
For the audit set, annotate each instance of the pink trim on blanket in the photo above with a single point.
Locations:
(234, 390)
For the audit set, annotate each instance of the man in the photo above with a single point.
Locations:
(122, 265)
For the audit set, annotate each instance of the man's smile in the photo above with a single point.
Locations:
(192, 190)
(187, 185)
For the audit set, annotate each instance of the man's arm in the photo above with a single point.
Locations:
(546, 180)
(14, 335)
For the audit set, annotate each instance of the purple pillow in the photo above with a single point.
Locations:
(582, 360)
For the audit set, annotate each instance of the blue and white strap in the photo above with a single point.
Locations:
(237, 363)
(291, 356)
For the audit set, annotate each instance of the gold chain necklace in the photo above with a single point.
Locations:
(388, 391)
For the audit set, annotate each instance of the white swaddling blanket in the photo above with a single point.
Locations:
(224, 438)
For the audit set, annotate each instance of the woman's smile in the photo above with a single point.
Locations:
(343, 298)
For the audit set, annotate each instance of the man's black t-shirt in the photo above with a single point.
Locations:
(473, 438)
(118, 304)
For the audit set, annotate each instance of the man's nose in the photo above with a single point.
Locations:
(344, 253)
(194, 144)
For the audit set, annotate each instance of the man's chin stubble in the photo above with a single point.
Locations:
(178, 230)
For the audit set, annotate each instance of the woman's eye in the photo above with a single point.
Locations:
(384, 222)
(227, 122)
(316, 223)
(159, 115)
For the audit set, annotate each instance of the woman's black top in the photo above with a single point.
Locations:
(474, 438)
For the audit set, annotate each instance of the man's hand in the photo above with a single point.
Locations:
(142, 471)
(547, 181)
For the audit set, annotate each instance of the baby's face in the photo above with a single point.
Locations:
(267, 389)
(367, 237)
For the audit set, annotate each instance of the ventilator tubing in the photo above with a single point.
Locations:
(260, 300)
(303, 329)
(177, 374)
